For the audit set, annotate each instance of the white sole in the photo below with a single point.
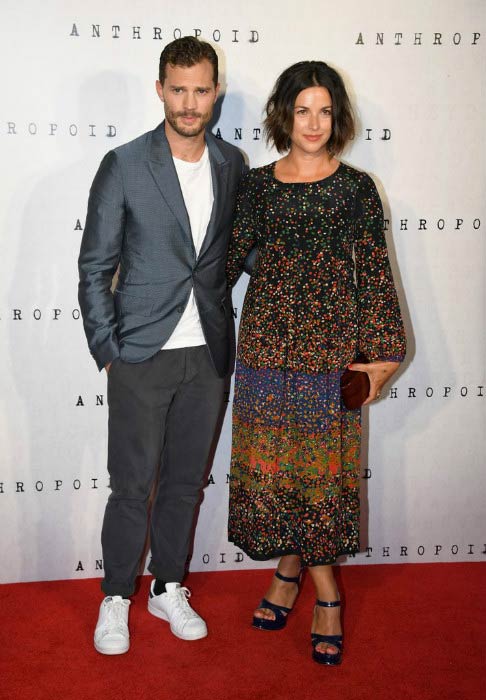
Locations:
(156, 612)
(111, 652)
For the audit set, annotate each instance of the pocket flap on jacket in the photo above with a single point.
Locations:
(134, 305)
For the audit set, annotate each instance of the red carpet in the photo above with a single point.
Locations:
(411, 631)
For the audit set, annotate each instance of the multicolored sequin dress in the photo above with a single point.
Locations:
(321, 289)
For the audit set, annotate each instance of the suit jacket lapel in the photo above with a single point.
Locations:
(165, 175)
(219, 174)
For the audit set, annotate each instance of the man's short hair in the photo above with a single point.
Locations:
(187, 51)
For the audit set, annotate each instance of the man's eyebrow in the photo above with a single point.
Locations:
(196, 87)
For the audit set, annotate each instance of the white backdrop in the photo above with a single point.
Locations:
(78, 79)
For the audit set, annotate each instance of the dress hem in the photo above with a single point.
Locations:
(293, 552)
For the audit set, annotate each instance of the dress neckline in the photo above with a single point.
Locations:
(307, 182)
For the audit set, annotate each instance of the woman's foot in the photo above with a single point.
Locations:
(327, 621)
(272, 612)
(280, 593)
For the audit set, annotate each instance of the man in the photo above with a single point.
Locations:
(160, 209)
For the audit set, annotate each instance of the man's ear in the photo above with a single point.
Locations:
(159, 89)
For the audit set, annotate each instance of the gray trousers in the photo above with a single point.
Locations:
(161, 411)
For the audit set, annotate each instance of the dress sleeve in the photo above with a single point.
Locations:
(381, 331)
(243, 237)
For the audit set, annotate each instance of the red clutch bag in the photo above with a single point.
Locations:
(355, 386)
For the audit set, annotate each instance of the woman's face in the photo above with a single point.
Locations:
(312, 126)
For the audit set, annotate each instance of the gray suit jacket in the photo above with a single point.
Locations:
(137, 219)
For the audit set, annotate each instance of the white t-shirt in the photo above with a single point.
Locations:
(197, 189)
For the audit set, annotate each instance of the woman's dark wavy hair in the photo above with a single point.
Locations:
(279, 109)
(187, 51)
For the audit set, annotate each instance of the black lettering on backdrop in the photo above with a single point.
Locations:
(417, 39)
(136, 32)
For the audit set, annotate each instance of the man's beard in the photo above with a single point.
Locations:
(187, 131)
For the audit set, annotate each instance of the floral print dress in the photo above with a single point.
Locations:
(321, 290)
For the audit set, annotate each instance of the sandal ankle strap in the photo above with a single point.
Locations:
(328, 603)
(287, 579)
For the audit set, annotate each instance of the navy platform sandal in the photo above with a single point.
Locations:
(335, 640)
(281, 612)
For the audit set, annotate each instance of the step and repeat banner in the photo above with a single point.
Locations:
(78, 79)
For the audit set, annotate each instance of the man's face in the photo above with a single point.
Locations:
(188, 94)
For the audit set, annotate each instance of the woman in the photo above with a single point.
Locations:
(321, 291)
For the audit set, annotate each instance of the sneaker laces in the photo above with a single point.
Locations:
(116, 616)
(183, 609)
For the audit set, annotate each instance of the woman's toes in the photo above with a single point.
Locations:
(264, 614)
(326, 649)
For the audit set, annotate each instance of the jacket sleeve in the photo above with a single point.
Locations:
(98, 260)
(243, 237)
(381, 331)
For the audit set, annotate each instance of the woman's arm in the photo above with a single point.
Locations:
(381, 331)
(243, 236)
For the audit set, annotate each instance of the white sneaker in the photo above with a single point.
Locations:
(111, 634)
(173, 607)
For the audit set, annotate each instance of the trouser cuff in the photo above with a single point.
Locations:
(117, 589)
(166, 575)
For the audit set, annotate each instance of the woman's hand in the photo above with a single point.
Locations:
(379, 373)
